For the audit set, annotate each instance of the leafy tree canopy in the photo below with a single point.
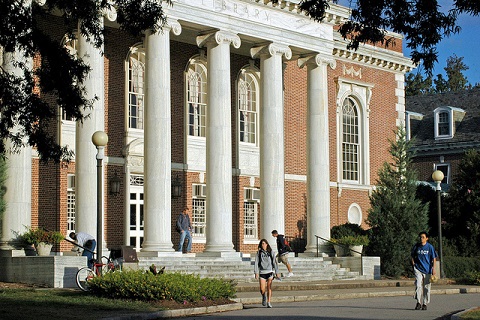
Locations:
(26, 115)
(417, 84)
(424, 23)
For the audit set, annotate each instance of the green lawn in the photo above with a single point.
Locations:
(63, 304)
(472, 315)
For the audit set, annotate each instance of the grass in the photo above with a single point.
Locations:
(471, 315)
(64, 304)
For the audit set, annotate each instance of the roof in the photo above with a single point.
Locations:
(467, 125)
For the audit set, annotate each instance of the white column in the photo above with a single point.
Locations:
(219, 140)
(158, 145)
(318, 165)
(272, 158)
(18, 184)
(85, 150)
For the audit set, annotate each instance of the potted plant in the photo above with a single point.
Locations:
(42, 239)
(354, 243)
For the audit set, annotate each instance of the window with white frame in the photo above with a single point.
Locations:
(136, 81)
(196, 87)
(443, 123)
(350, 140)
(199, 217)
(445, 168)
(250, 218)
(70, 203)
(248, 100)
(136, 214)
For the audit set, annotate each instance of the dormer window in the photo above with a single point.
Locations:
(409, 116)
(445, 120)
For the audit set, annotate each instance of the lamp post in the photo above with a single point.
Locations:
(438, 176)
(100, 140)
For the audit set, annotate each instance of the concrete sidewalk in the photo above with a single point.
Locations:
(291, 291)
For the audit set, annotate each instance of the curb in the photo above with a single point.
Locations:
(335, 296)
(178, 312)
(458, 316)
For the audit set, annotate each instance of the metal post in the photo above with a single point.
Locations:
(439, 213)
(99, 205)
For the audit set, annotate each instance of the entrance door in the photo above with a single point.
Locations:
(136, 216)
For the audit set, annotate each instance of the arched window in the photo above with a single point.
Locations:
(196, 85)
(136, 81)
(248, 106)
(350, 140)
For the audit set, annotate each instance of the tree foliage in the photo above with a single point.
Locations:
(396, 216)
(461, 212)
(27, 114)
(423, 22)
(417, 84)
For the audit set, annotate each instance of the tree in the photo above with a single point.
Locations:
(461, 210)
(396, 216)
(416, 84)
(423, 23)
(27, 115)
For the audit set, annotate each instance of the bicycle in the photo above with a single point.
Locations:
(85, 274)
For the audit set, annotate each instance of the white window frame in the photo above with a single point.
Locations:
(351, 153)
(136, 230)
(135, 85)
(250, 218)
(439, 166)
(361, 93)
(196, 97)
(438, 112)
(248, 102)
(199, 216)
(71, 211)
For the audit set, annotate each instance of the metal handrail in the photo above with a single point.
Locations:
(344, 246)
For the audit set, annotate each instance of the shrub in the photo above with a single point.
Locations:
(35, 236)
(347, 229)
(457, 267)
(145, 286)
(353, 240)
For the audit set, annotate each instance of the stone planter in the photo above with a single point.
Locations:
(340, 251)
(357, 249)
(43, 249)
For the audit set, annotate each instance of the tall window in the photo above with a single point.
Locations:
(196, 82)
(199, 217)
(443, 123)
(350, 140)
(248, 106)
(250, 208)
(136, 80)
(70, 203)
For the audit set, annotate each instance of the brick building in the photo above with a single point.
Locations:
(443, 126)
(260, 114)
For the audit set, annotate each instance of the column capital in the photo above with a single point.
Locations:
(219, 37)
(271, 49)
(110, 13)
(174, 26)
(317, 59)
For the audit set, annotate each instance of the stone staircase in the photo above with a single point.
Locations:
(241, 268)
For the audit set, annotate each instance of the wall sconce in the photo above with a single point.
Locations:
(176, 188)
(114, 184)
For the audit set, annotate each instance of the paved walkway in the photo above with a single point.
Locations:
(299, 291)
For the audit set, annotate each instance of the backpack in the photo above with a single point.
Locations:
(287, 245)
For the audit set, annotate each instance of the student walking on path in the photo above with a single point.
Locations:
(265, 269)
(423, 262)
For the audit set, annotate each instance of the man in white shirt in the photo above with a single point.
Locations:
(88, 243)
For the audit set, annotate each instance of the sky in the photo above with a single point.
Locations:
(465, 44)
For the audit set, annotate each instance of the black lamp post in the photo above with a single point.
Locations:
(100, 140)
(438, 176)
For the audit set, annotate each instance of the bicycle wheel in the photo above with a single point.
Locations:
(83, 276)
